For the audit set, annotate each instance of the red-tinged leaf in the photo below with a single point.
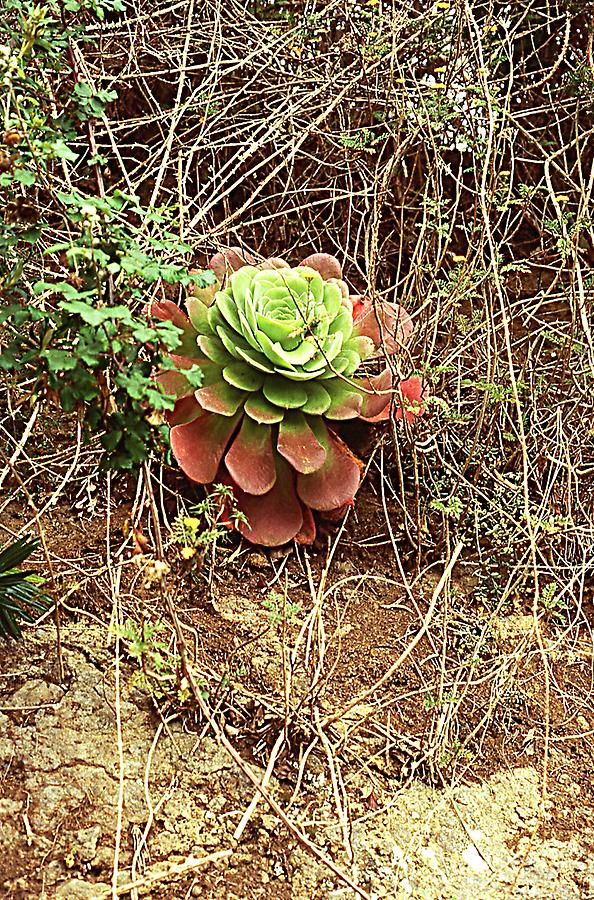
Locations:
(361, 305)
(413, 394)
(387, 324)
(185, 410)
(307, 535)
(345, 400)
(173, 383)
(259, 409)
(336, 482)
(328, 266)
(220, 398)
(335, 515)
(376, 405)
(198, 446)
(176, 384)
(298, 444)
(167, 311)
(228, 261)
(249, 460)
(275, 262)
(276, 517)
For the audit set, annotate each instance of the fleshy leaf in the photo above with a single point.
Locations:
(243, 376)
(280, 357)
(337, 481)
(186, 409)
(261, 410)
(275, 517)
(198, 446)
(377, 397)
(228, 261)
(249, 460)
(174, 383)
(214, 350)
(342, 322)
(318, 399)
(231, 341)
(297, 375)
(328, 266)
(413, 394)
(205, 295)
(362, 345)
(167, 311)
(277, 330)
(253, 358)
(298, 444)
(275, 262)
(345, 400)
(333, 303)
(387, 322)
(240, 282)
(307, 534)
(283, 393)
(198, 313)
(335, 515)
(228, 308)
(220, 398)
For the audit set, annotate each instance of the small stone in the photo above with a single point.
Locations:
(9, 809)
(258, 561)
(86, 843)
(36, 693)
(472, 858)
(103, 859)
(82, 890)
(53, 872)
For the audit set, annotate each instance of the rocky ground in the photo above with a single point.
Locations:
(170, 797)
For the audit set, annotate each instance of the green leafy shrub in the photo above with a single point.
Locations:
(79, 337)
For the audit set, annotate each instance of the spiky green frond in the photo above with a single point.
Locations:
(21, 596)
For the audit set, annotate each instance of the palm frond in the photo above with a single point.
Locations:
(21, 596)
(16, 553)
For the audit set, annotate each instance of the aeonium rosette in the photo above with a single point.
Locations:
(279, 348)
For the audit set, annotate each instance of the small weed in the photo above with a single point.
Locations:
(551, 602)
(208, 523)
(281, 610)
(159, 671)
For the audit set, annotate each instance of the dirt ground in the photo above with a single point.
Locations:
(423, 785)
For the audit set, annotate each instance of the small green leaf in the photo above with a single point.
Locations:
(25, 176)
(59, 360)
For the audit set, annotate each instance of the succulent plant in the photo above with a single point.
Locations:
(279, 348)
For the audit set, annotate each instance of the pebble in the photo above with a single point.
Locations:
(258, 561)
(74, 889)
(36, 693)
